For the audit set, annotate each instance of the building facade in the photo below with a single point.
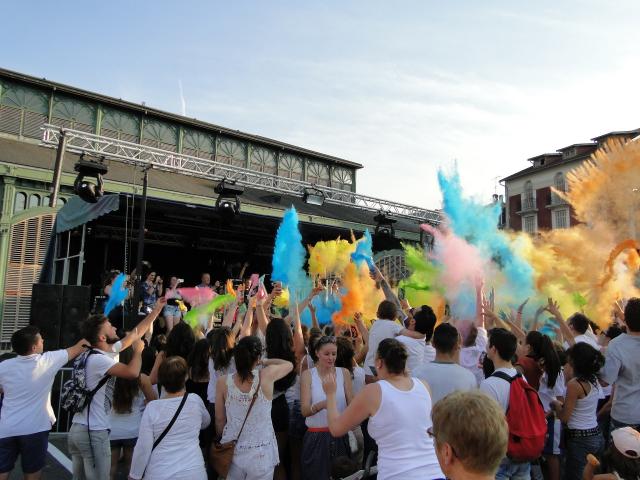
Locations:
(532, 204)
(182, 228)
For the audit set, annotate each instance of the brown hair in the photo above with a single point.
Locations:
(90, 328)
(125, 390)
(474, 425)
(172, 374)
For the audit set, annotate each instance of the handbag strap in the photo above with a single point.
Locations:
(253, 400)
(173, 420)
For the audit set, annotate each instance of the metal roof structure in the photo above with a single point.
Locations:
(144, 156)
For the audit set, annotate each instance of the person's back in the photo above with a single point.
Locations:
(445, 378)
(398, 427)
(178, 454)
(420, 352)
(622, 367)
(26, 414)
(444, 375)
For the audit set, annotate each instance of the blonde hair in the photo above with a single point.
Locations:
(474, 425)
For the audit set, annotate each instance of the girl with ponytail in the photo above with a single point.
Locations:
(578, 411)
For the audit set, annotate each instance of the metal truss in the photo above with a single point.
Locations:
(145, 156)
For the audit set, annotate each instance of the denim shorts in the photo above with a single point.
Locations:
(171, 311)
(123, 443)
(31, 448)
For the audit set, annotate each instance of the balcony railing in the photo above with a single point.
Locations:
(528, 204)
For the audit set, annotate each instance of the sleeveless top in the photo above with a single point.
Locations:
(399, 427)
(584, 415)
(258, 431)
(319, 420)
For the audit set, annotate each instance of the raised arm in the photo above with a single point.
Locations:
(261, 315)
(142, 327)
(77, 349)
(245, 330)
(298, 338)
(355, 413)
(554, 310)
(130, 370)
(389, 294)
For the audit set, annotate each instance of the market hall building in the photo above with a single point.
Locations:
(184, 232)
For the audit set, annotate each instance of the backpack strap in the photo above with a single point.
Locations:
(505, 377)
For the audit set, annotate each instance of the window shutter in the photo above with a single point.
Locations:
(28, 243)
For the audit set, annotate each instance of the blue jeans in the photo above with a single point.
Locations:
(510, 470)
(577, 450)
(91, 461)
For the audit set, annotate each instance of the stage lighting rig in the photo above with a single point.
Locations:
(384, 236)
(89, 184)
(313, 196)
(228, 202)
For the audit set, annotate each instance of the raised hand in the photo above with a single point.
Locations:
(329, 384)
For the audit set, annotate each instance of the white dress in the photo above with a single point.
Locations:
(257, 445)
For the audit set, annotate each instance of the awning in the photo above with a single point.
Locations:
(77, 212)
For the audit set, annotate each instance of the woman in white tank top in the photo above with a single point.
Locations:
(583, 436)
(399, 412)
(319, 447)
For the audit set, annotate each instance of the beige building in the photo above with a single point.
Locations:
(531, 205)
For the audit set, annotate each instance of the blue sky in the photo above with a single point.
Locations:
(403, 87)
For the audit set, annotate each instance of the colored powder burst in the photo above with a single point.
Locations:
(364, 251)
(478, 225)
(597, 257)
(462, 270)
(289, 257)
(326, 306)
(329, 257)
(421, 286)
(282, 300)
(196, 296)
(118, 294)
(201, 314)
(358, 294)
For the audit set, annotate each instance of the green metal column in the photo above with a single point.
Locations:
(6, 212)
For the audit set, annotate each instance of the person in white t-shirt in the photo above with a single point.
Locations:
(384, 327)
(26, 416)
(88, 438)
(501, 350)
(420, 351)
(444, 375)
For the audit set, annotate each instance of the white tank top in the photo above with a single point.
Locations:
(584, 415)
(399, 427)
(319, 420)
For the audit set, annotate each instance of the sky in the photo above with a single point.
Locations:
(402, 87)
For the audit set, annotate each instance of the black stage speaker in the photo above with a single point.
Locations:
(58, 311)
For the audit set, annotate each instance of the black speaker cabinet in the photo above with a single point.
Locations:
(58, 311)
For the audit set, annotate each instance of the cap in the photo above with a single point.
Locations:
(627, 441)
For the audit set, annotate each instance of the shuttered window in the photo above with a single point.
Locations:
(29, 240)
(23, 110)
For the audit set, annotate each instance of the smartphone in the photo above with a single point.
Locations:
(374, 371)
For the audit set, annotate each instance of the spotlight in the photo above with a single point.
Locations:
(313, 196)
(88, 184)
(384, 236)
(228, 202)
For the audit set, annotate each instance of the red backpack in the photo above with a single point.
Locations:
(526, 420)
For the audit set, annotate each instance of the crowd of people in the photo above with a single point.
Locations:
(406, 397)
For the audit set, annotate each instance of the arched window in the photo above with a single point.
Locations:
(528, 189)
(20, 202)
(34, 200)
(559, 183)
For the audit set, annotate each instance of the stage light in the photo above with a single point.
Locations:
(384, 236)
(88, 184)
(313, 196)
(228, 202)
